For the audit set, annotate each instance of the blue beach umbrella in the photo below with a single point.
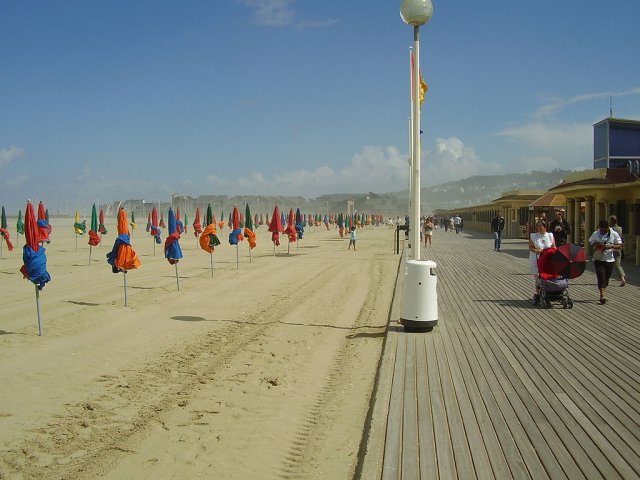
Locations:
(172, 250)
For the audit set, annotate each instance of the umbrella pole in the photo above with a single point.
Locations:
(249, 253)
(90, 248)
(237, 257)
(274, 249)
(125, 288)
(177, 278)
(211, 254)
(154, 247)
(38, 310)
(288, 247)
(76, 242)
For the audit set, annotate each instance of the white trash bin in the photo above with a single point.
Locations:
(420, 308)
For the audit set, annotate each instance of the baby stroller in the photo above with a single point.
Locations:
(555, 267)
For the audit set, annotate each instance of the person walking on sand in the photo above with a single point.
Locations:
(352, 238)
(497, 227)
(617, 254)
(604, 242)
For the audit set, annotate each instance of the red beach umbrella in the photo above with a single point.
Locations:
(197, 226)
(275, 227)
(44, 229)
(102, 230)
(34, 258)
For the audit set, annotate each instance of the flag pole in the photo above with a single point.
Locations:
(38, 310)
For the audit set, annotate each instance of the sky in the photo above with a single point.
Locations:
(120, 99)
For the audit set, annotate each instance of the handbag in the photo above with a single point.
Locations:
(598, 256)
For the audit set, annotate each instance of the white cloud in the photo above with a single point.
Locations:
(17, 181)
(279, 13)
(271, 13)
(560, 103)
(11, 154)
(452, 160)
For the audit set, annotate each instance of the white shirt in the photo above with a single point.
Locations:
(611, 237)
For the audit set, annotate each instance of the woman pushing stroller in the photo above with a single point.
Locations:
(538, 241)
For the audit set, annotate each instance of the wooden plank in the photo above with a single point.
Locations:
(427, 449)
(393, 440)
(410, 451)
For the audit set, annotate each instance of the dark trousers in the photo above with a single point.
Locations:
(603, 272)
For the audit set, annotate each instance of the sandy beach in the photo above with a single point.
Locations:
(263, 371)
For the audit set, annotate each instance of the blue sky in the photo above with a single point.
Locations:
(120, 99)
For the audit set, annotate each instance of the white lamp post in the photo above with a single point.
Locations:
(416, 13)
(420, 309)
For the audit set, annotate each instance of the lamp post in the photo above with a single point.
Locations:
(416, 13)
(420, 308)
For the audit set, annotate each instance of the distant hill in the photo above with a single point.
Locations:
(474, 190)
(481, 189)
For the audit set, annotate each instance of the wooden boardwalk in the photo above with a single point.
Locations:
(501, 389)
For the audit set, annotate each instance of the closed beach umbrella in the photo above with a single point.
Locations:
(179, 224)
(209, 240)
(102, 230)
(172, 250)
(162, 224)
(80, 227)
(94, 238)
(44, 228)
(221, 222)
(20, 224)
(4, 232)
(290, 230)
(236, 232)
(122, 257)
(154, 229)
(248, 231)
(133, 223)
(197, 226)
(275, 227)
(299, 225)
(34, 258)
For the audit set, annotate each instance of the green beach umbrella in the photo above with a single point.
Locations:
(94, 238)
(248, 230)
(20, 224)
(209, 217)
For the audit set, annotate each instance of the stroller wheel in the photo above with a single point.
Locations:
(569, 303)
(547, 303)
(565, 304)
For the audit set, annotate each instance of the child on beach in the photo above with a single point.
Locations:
(352, 238)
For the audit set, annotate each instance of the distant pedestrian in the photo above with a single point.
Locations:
(604, 242)
(457, 223)
(497, 227)
(428, 230)
(618, 255)
(352, 238)
(560, 228)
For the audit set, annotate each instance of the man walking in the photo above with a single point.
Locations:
(560, 228)
(497, 227)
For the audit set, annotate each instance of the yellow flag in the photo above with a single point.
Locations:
(423, 89)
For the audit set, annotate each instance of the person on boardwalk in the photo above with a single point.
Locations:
(497, 227)
(604, 242)
(428, 230)
(538, 241)
(352, 238)
(560, 228)
(457, 223)
(617, 254)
